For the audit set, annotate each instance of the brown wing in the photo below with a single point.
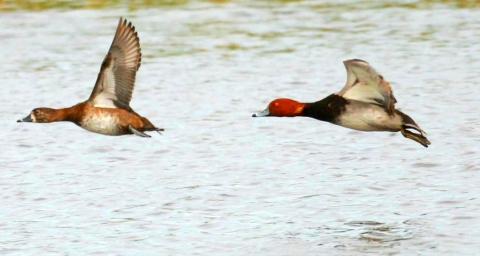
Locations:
(367, 85)
(116, 80)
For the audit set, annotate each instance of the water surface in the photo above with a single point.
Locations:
(219, 182)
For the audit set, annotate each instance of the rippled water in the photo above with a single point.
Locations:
(219, 182)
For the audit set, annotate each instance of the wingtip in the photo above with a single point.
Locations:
(139, 60)
(355, 61)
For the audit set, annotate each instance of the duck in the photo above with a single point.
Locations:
(365, 103)
(107, 111)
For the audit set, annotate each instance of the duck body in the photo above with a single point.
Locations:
(366, 103)
(108, 110)
(109, 121)
(106, 121)
(353, 114)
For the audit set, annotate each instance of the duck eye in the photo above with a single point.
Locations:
(276, 104)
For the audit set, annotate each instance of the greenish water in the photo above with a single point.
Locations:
(39, 5)
(219, 182)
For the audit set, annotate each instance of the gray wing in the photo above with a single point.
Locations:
(116, 80)
(367, 85)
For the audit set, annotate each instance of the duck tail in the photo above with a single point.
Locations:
(148, 126)
(159, 130)
(408, 123)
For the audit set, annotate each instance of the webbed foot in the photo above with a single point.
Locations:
(420, 138)
(138, 133)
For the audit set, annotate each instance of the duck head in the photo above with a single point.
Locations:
(40, 115)
(282, 108)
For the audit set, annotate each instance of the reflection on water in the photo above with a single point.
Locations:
(218, 182)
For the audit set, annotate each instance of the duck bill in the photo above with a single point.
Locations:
(266, 112)
(27, 119)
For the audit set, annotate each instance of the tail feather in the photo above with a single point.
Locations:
(148, 126)
(159, 130)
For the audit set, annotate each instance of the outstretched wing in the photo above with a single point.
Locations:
(365, 84)
(116, 80)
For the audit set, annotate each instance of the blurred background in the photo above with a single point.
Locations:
(217, 181)
(139, 4)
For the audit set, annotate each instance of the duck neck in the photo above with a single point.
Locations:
(65, 114)
(327, 109)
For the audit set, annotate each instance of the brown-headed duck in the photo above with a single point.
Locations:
(108, 110)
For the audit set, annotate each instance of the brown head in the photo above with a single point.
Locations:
(42, 115)
(282, 108)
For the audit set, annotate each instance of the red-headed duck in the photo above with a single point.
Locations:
(108, 110)
(366, 103)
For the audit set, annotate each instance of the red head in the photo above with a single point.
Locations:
(282, 107)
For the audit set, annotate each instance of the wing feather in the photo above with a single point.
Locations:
(116, 79)
(365, 84)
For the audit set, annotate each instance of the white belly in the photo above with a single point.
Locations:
(102, 123)
(367, 117)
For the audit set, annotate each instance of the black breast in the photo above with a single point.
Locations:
(327, 109)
